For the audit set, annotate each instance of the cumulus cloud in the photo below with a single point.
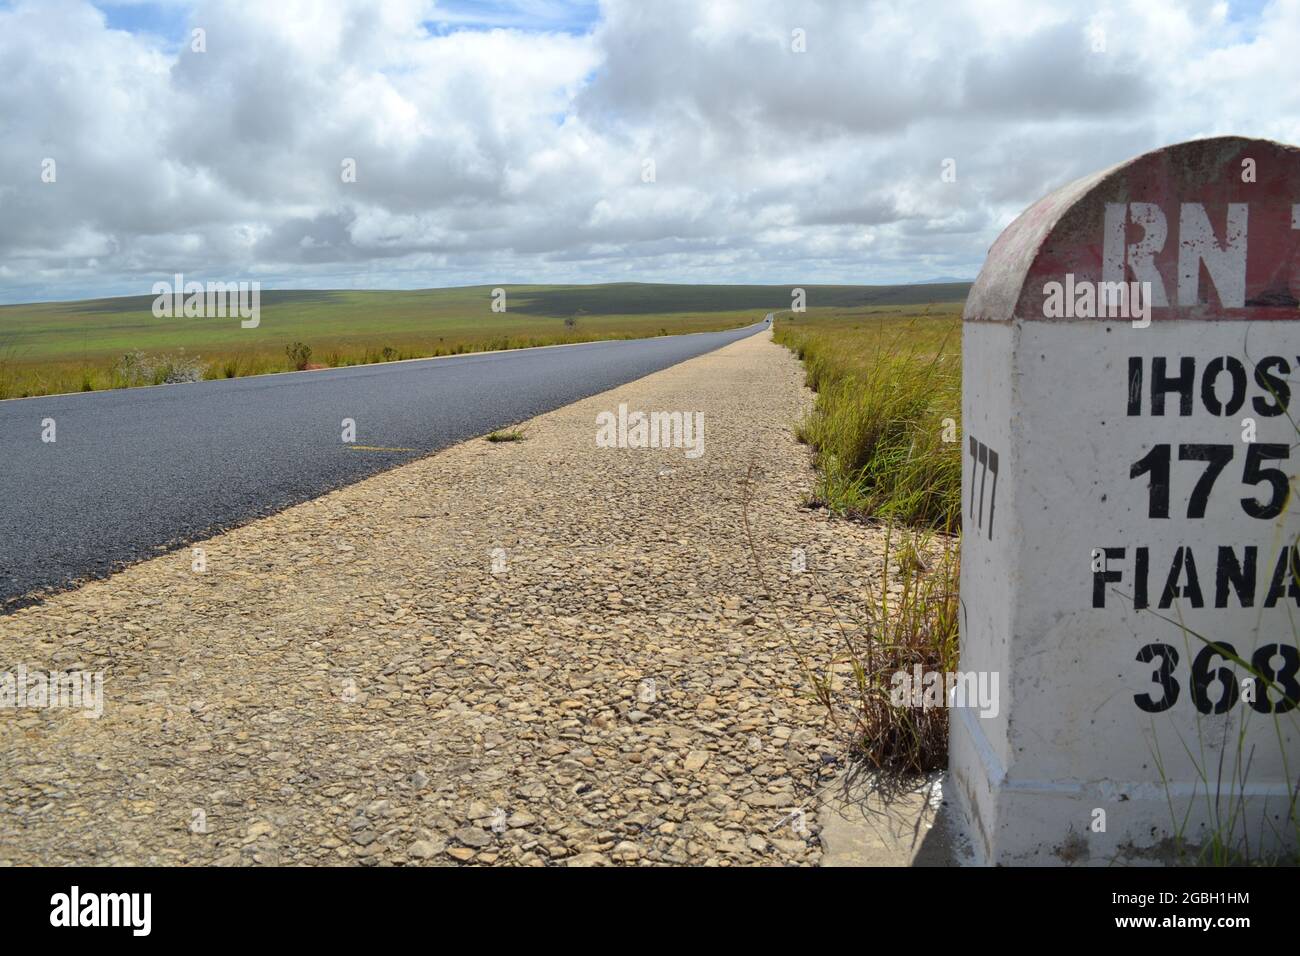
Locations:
(512, 142)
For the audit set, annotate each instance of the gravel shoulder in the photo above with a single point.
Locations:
(540, 652)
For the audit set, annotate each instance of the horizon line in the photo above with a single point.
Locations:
(941, 280)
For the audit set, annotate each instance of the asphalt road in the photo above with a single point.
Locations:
(135, 472)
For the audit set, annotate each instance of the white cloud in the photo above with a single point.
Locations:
(513, 154)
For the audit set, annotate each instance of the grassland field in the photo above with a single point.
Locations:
(48, 348)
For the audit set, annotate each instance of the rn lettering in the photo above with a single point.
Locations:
(1223, 255)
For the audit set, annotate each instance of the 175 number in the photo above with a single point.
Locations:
(1157, 464)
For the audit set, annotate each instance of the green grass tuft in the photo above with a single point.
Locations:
(887, 425)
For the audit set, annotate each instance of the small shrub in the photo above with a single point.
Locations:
(911, 620)
(299, 355)
(177, 369)
(133, 369)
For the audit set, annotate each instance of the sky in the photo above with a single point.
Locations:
(533, 141)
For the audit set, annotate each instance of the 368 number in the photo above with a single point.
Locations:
(1157, 464)
(1280, 680)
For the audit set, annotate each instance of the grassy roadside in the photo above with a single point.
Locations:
(887, 426)
(51, 348)
(886, 435)
(23, 379)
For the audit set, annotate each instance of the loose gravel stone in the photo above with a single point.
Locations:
(473, 836)
(424, 849)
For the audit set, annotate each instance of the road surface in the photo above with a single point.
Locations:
(135, 472)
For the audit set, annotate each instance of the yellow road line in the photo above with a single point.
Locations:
(377, 448)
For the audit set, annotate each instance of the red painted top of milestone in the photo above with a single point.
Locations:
(1212, 225)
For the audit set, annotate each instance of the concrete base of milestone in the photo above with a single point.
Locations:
(971, 816)
(872, 819)
(1007, 821)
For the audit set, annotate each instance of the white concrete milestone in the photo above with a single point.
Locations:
(1131, 356)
